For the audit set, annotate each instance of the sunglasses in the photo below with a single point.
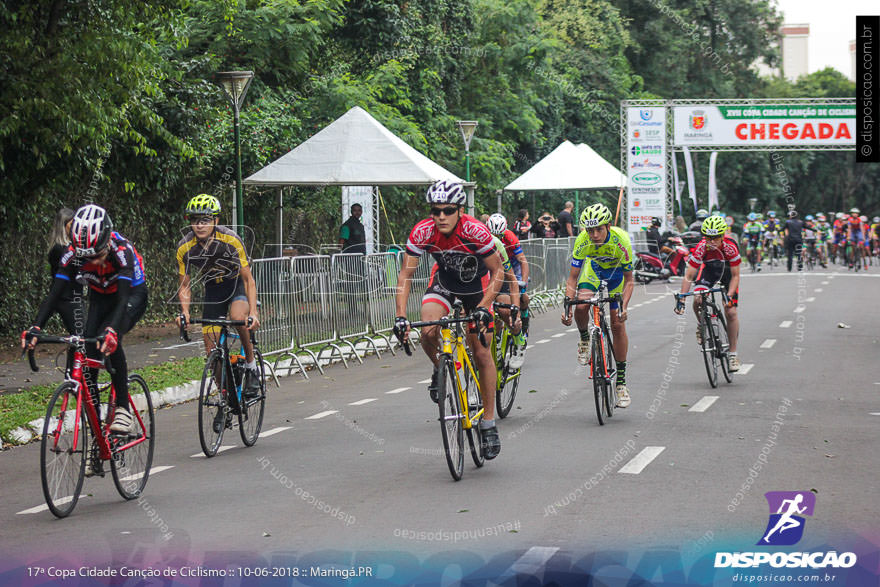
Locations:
(444, 211)
(201, 220)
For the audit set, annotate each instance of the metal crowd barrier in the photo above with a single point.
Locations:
(336, 302)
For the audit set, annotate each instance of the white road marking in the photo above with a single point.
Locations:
(320, 415)
(872, 413)
(768, 344)
(362, 401)
(572, 330)
(153, 471)
(785, 324)
(558, 335)
(799, 309)
(810, 300)
(636, 306)
(274, 431)
(824, 283)
(44, 507)
(745, 368)
(642, 460)
(531, 562)
(818, 290)
(219, 450)
(542, 341)
(402, 389)
(704, 403)
(177, 346)
(428, 380)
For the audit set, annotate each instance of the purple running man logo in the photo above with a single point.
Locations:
(786, 526)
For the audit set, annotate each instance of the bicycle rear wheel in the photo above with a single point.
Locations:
(723, 343)
(131, 467)
(598, 369)
(250, 416)
(708, 347)
(212, 404)
(450, 418)
(610, 392)
(63, 461)
(509, 380)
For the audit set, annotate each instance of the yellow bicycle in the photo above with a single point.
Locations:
(459, 399)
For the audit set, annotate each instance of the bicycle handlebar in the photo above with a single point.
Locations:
(445, 321)
(210, 322)
(592, 301)
(71, 340)
(721, 290)
(512, 307)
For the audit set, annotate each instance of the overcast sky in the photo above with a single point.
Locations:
(832, 27)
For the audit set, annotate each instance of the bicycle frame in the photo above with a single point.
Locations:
(452, 345)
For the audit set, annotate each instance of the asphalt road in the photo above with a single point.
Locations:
(671, 471)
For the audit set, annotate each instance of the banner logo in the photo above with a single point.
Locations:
(786, 524)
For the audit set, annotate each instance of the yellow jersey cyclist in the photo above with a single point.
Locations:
(467, 268)
(601, 253)
(214, 255)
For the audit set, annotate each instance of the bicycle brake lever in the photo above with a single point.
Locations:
(31, 360)
(483, 340)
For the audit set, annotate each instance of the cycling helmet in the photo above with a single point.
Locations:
(702, 214)
(863, 218)
(203, 204)
(713, 226)
(497, 223)
(808, 217)
(854, 211)
(840, 216)
(595, 215)
(760, 216)
(91, 230)
(875, 219)
(718, 213)
(752, 216)
(821, 217)
(771, 214)
(656, 222)
(445, 192)
(792, 213)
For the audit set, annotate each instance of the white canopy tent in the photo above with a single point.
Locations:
(354, 150)
(569, 167)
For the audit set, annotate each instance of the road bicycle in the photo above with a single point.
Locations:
(810, 255)
(503, 346)
(74, 431)
(853, 255)
(221, 395)
(603, 367)
(459, 401)
(715, 344)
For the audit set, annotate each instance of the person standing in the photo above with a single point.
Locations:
(794, 239)
(566, 221)
(522, 225)
(352, 235)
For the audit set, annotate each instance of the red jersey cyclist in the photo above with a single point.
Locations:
(469, 269)
(114, 271)
(497, 224)
(715, 258)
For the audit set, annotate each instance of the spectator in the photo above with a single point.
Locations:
(794, 239)
(522, 226)
(697, 224)
(566, 221)
(680, 225)
(546, 226)
(352, 236)
(653, 236)
(484, 218)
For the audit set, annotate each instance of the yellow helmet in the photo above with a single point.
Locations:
(714, 226)
(204, 204)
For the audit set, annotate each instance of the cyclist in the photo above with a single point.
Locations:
(497, 224)
(506, 296)
(753, 232)
(601, 253)
(855, 235)
(214, 255)
(467, 268)
(114, 271)
(839, 228)
(772, 226)
(823, 231)
(866, 244)
(810, 238)
(715, 258)
(875, 235)
(701, 214)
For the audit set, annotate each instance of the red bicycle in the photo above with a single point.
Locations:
(65, 445)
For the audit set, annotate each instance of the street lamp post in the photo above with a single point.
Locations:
(236, 84)
(752, 202)
(467, 127)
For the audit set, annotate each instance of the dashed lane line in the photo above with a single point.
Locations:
(320, 415)
(402, 389)
(638, 463)
(745, 368)
(785, 324)
(274, 431)
(799, 309)
(704, 403)
(542, 341)
(361, 402)
(810, 300)
(768, 344)
(44, 507)
(818, 290)
(428, 380)
(531, 562)
(559, 334)
(153, 471)
(223, 448)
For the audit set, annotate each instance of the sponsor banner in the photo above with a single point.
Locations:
(646, 166)
(754, 125)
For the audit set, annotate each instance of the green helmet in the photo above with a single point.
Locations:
(595, 215)
(204, 204)
(713, 226)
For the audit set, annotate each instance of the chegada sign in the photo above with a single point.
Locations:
(764, 124)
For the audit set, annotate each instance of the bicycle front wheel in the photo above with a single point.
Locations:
(212, 404)
(597, 361)
(250, 416)
(63, 450)
(508, 380)
(450, 417)
(708, 347)
(131, 466)
(723, 343)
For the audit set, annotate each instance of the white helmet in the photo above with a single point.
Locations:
(445, 192)
(497, 223)
(91, 230)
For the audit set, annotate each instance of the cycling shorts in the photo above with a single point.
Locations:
(838, 238)
(218, 296)
(711, 273)
(438, 294)
(856, 237)
(754, 243)
(517, 272)
(592, 275)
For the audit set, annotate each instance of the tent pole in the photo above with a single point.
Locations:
(577, 201)
(280, 220)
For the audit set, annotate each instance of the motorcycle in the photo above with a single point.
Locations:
(651, 266)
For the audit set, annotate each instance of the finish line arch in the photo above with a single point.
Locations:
(651, 130)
